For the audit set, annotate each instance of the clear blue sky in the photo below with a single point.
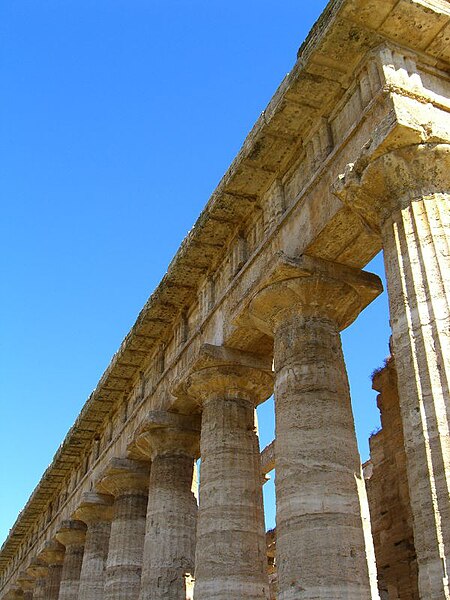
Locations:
(117, 120)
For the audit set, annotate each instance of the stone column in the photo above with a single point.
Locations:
(71, 535)
(127, 481)
(26, 582)
(53, 556)
(404, 195)
(38, 570)
(171, 441)
(230, 557)
(321, 546)
(95, 511)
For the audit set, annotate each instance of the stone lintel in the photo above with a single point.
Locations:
(401, 71)
(268, 458)
(94, 507)
(71, 533)
(124, 476)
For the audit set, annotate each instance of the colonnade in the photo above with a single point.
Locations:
(139, 534)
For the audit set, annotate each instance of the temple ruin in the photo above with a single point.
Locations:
(350, 157)
(389, 501)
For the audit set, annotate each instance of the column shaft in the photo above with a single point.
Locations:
(126, 480)
(53, 581)
(70, 577)
(230, 558)
(92, 576)
(39, 590)
(321, 550)
(35, 578)
(53, 555)
(71, 535)
(404, 195)
(417, 259)
(95, 510)
(124, 564)
(169, 551)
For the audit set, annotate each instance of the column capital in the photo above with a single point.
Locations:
(125, 477)
(71, 533)
(311, 287)
(52, 553)
(25, 581)
(166, 433)
(376, 187)
(37, 569)
(94, 508)
(227, 373)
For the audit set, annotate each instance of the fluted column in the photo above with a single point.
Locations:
(321, 546)
(26, 582)
(96, 512)
(38, 570)
(172, 443)
(404, 195)
(54, 580)
(72, 535)
(39, 589)
(230, 555)
(127, 481)
(53, 556)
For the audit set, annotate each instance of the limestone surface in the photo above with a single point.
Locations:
(230, 557)
(72, 535)
(321, 551)
(405, 194)
(350, 157)
(96, 512)
(128, 482)
(387, 487)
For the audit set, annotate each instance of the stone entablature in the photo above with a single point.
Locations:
(268, 459)
(372, 75)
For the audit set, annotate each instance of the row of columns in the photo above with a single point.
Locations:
(323, 550)
(100, 553)
(152, 522)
